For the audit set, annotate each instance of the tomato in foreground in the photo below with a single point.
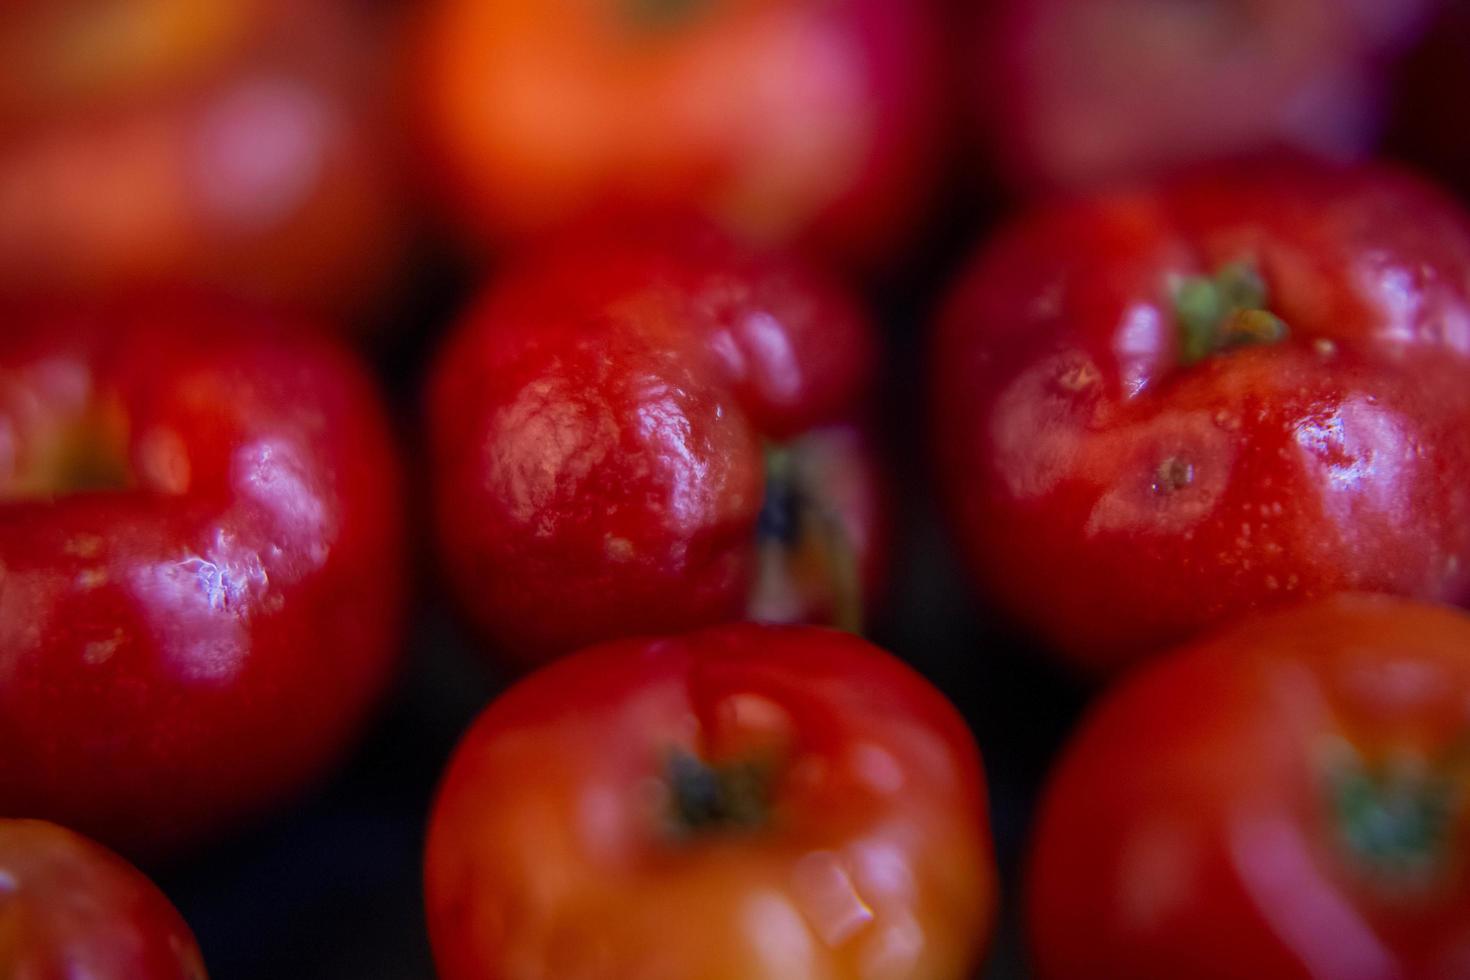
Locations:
(1160, 408)
(200, 566)
(70, 908)
(741, 803)
(1289, 800)
(647, 429)
(781, 119)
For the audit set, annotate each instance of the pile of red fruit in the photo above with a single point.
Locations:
(1196, 418)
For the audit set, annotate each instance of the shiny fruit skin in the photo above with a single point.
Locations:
(1076, 93)
(783, 120)
(550, 854)
(596, 430)
(203, 636)
(1191, 828)
(1333, 460)
(241, 145)
(70, 908)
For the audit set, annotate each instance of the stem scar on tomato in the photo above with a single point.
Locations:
(1227, 310)
(706, 797)
(800, 535)
(1174, 474)
(664, 15)
(1396, 818)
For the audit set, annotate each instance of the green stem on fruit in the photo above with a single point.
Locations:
(793, 518)
(1224, 311)
(707, 797)
(1396, 819)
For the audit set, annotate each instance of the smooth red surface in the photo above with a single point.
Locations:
(550, 854)
(1335, 460)
(243, 144)
(596, 425)
(181, 653)
(1188, 831)
(815, 120)
(1073, 92)
(70, 908)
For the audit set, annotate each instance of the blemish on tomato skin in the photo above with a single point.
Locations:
(91, 578)
(1162, 477)
(1174, 474)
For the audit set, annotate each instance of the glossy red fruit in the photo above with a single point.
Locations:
(1073, 92)
(71, 908)
(646, 430)
(743, 803)
(1289, 800)
(241, 144)
(781, 119)
(200, 543)
(1158, 409)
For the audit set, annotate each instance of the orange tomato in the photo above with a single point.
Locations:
(783, 119)
(743, 803)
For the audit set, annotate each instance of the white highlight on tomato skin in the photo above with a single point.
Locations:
(876, 768)
(1360, 450)
(775, 365)
(1140, 346)
(1303, 909)
(273, 474)
(1155, 875)
(782, 942)
(826, 895)
(260, 151)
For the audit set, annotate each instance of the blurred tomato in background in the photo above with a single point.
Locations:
(240, 145)
(786, 120)
(72, 908)
(156, 153)
(1077, 92)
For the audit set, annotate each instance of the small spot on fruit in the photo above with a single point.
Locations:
(1324, 348)
(91, 578)
(1173, 474)
(101, 651)
(83, 546)
(1227, 420)
(1078, 376)
(618, 549)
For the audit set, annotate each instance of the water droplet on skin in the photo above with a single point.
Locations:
(91, 578)
(1227, 420)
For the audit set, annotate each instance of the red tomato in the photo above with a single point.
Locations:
(234, 143)
(202, 567)
(645, 431)
(742, 803)
(1158, 409)
(1077, 91)
(1289, 800)
(779, 118)
(71, 909)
